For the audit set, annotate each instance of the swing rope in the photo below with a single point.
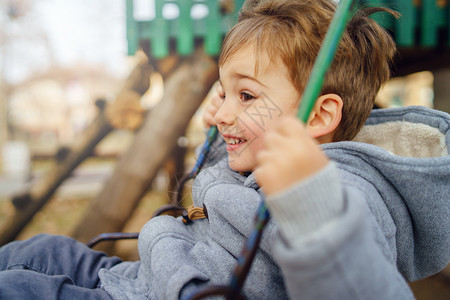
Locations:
(206, 148)
(343, 14)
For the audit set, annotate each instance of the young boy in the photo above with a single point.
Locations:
(346, 233)
(341, 233)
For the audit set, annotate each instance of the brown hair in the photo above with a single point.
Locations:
(294, 31)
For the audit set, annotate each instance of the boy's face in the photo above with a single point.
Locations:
(252, 103)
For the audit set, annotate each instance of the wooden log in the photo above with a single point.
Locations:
(30, 202)
(184, 91)
(442, 94)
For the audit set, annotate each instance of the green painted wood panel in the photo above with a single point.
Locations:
(419, 25)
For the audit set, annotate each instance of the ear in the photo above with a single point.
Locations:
(325, 117)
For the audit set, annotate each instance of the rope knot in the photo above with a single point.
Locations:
(195, 213)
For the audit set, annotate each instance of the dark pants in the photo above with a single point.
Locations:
(51, 267)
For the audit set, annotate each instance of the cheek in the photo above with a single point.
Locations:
(256, 146)
(258, 133)
(257, 141)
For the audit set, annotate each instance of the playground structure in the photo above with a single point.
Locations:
(184, 50)
(422, 33)
(423, 24)
(157, 35)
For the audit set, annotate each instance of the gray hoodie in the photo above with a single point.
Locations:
(381, 216)
(343, 233)
(176, 259)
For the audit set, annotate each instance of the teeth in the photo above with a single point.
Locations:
(235, 141)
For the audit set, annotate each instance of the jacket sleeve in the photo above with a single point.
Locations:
(326, 246)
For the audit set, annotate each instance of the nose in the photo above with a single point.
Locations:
(226, 114)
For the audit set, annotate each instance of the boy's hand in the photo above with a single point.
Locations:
(211, 110)
(289, 155)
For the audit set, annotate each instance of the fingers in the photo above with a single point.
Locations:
(216, 101)
(288, 155)
(291, 127)
(268, 173)
(287, 128)
(208, 120)
(211, 110)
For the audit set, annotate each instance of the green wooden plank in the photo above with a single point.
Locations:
(132, 29)
(448, 23)
(184, 29)
(213, 35)
(429, 23)
(159, 29)
(404, 29)
(441, 13)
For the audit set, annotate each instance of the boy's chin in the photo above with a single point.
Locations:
(239, 167)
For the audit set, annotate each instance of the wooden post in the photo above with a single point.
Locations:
(442, 90)
(185, 89)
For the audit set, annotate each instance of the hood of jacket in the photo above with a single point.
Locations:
(403, 153)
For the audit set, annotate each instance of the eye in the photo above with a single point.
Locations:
(246, 97)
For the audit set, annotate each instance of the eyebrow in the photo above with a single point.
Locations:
(245, 76)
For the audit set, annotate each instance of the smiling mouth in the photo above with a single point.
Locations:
(233, 142)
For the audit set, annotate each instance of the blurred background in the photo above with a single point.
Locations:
(100, 104)
(56, 59)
